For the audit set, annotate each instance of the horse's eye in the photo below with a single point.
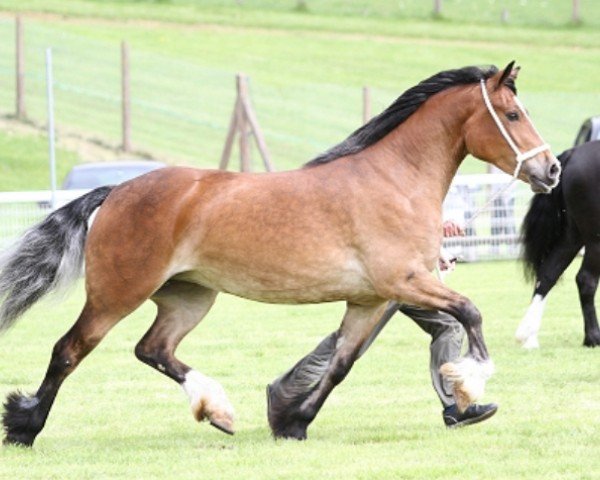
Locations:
(512, 116)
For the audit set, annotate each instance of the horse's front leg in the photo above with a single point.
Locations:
(469, 373)
(547, 275)
(295, 398)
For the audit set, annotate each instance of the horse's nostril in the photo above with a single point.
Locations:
(554, 171)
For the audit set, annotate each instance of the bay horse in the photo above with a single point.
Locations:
(554, 230)
(360, 223)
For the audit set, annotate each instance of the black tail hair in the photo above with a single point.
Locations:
(543, 225)
(48, 257)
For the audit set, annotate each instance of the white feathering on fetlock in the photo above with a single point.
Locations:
(208, 400)
(468, 378)
(527, 332)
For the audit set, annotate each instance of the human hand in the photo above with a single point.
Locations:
(452, 229)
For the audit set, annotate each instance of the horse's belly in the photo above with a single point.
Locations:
(285, 285)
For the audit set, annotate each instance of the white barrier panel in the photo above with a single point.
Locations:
(494, 234)
(21, 210)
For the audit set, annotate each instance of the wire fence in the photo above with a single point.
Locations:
(181, 109)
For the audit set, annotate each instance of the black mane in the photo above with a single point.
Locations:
(403, 108)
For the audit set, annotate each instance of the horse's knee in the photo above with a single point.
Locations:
(466, 313)
(64, 357)
(142, 353)
(161, 359)
(149, 354)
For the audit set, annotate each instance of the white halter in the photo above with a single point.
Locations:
(520, 156)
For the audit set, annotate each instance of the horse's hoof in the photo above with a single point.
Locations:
(294, 430)
(23, 440)
(222, 419)
(592, 339)
(468, 379)
(531, 343)
(19, 420)
(282, 426)
(225, 427)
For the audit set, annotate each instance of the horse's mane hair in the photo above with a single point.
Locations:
(402, 108)
(543, 225)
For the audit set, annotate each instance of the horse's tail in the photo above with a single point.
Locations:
(543, 225)
(48, 257)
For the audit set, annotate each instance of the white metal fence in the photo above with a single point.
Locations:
(493, 234)
(21, 210)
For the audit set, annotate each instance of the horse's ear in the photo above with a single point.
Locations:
(510, 73)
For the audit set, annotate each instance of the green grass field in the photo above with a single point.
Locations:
(24, 162)
(117, 418)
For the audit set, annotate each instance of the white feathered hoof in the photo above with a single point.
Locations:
(468, 379)
(527, 332)
(527, 338)
(531, 343)
(208, 401)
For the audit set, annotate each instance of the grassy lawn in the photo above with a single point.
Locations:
(24, 163)
(117, 418)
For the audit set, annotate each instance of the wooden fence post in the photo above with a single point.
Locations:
(245, 154)
(245, 124)
(20, 69)
(125, 99)
(366, 104)
(576, 15)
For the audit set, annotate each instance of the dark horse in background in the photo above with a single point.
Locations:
(361, 223)
(554, 230)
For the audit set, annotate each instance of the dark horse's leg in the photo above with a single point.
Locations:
(548, 274)
(295, 398)
(587, 284)
(181, 306)
(25, 416)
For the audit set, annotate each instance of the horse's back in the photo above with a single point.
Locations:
(581, 182)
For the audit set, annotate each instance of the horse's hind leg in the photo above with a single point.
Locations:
(587, 284)
(295, 398)
(547, 276)
(181, 306)
(25, 416)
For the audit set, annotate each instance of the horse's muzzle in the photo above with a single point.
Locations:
(543, 180)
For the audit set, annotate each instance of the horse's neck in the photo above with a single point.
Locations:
(429, 146)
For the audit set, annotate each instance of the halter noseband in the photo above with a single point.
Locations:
(520, 156)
